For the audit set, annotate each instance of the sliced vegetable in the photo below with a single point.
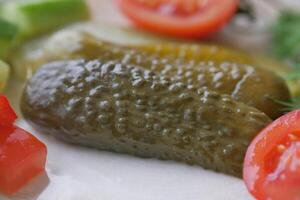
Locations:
(189, 18)
(8, 33)
(22, 157)
(7, 114)
(272, 162)
(39, 16)
(4, 75)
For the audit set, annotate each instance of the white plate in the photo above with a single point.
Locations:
(78, 173)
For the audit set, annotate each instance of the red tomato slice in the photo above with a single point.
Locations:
(272, 162)
(180, 18)
(22, 157)
(7, 114)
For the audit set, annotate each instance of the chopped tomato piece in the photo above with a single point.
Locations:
(7, 114)
(272, 162)
(181, 18)
(22, 157)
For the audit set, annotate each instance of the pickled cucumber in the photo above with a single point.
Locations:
(198, 53)
(127, 109)
(254, 86)
(219, 54)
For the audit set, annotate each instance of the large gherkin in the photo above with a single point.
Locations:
(127, 109)
(213, 67)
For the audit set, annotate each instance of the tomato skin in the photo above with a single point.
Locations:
(199, 25)
(22, 157)
(272, 162)
(7, 114)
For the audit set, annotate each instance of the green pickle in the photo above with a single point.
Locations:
(129, 109)
(198, 53)
(214, 68)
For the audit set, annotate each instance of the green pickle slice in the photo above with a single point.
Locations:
(8, 35)
(36, 17)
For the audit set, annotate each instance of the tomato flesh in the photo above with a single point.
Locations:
(272, 162)
(284, 182)
(180, 18)
(180, 8)
(22, 157)
(7, 114)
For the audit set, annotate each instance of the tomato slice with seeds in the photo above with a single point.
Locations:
(7, 114)
(180, 18)
(272, 162)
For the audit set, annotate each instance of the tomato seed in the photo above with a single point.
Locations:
(281, 148)
(293, 137)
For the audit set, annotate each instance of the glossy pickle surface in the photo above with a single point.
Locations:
(214, 67)
(128, 109)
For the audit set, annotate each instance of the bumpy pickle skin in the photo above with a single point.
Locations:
(131, 110)
(197, 53)
(214, 68)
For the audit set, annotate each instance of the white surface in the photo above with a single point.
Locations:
(77, 173)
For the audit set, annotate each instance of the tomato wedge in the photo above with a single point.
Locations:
(180, 18)
(272, 162)
(22, 156)
(7, 114)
